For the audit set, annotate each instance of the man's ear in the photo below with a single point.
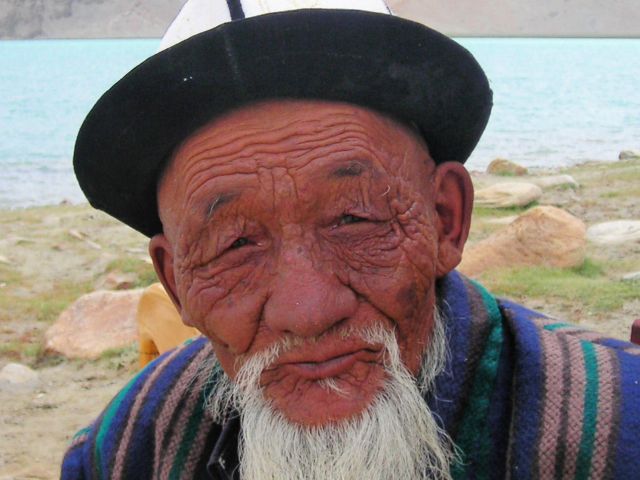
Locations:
(161, 254)
(454, 203)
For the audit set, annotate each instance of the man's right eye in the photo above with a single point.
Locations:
(240, 242)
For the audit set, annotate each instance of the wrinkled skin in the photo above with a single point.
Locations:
(310, 219)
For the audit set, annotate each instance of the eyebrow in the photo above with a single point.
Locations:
(353, 169)
(219, 201)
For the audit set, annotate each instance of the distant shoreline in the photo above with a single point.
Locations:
(465, 36)
(82, 19)
(532, 37)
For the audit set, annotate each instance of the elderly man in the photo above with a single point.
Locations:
(301, 177)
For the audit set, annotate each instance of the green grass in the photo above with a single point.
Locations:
(49, 305)
(631, 175)
(9, 275)
(119, 358)
(487, 212)
(44, 306)
(563, 187)
(587, 285)
(112, 353)
(624, 193)
(588, 269)
(144, 272)
(19, 348)
(22, 351)
(598, 174)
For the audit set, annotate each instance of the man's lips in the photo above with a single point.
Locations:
(316, 367)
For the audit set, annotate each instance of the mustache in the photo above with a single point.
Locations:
(251, 366)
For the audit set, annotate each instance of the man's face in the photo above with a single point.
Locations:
(309, 222)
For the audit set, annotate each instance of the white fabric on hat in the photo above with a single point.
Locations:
(197, 16)
(258, 7)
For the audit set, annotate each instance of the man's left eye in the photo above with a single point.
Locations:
(349, 219)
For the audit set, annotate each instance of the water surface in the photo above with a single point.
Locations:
(557, 102)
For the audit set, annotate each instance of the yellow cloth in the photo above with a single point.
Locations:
(160, 327)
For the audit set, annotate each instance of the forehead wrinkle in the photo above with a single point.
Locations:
(219, 201)
(360, 153)
(256, 139)
(248, 158)
(353, 168)
(262, 138)
(242, 128)
(202, 181)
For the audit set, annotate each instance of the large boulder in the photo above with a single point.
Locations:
(543, 235)
(502, 166)
(15, 377)
(508, 194)
(555, 181)
(629, 155)
(615, 232)
(631, 277)
(117, 281)
(94, 323)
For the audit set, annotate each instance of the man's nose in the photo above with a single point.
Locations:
(306, 299)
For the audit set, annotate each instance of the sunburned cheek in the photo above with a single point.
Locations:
(407, 299)
(371, 256)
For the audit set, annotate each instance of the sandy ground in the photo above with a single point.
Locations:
(51, 255)
(37, 426)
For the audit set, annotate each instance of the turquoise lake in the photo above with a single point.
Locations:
(556, 102)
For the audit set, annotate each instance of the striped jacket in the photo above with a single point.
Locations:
(523, 396)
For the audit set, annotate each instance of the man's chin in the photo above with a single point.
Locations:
(292, 423)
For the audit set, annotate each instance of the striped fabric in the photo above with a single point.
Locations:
(523, 395)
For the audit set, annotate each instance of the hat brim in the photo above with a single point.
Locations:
(378, 61)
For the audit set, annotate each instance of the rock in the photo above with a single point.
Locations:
(93, 244)
(16, 240)
(631, 277)
(615, 232)
(96, 322)
(555, 181)
(544, 235)
(5, 260)
(77, 234)
(502, 166)
(51, 220)
(629, 155)
(508, 194)
(118, 281)
(15, 377)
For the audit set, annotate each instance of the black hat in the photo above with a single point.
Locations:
(374, 60)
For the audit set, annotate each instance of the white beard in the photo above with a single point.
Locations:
(396, 437)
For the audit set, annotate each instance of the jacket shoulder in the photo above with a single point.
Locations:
(576, 397)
